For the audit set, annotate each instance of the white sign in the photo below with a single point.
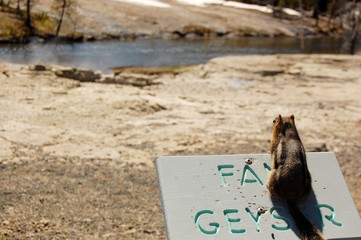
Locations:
(225, 197)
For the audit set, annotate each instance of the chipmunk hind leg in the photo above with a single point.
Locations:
(272, 184)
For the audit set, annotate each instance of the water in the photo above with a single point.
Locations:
(107, 54)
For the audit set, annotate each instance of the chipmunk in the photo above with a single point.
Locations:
(289, 178)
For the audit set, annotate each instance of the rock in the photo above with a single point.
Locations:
(5, 222)
(294, 71)
(87, 220)
(106, 78)
(266, 73)
(39, 67)
(279, 12)
(133, 79)
(79, 74)
(44, 222)
(196, 31)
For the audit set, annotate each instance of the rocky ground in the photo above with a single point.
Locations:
(93, 20)
(76, 157)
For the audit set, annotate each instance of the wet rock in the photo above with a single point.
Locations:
(79, 74)
(39, 67)
(266, 73)
(154, 71)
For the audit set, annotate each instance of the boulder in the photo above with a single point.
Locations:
(79, 74)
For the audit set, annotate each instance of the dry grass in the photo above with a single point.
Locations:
(11, 27)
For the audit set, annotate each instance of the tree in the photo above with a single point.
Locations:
(63, 7)
(300, 6)
(355, 27)
(18, 7)
(319, 7)
(28, 16)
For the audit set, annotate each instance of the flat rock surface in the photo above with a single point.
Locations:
(76, 158)
(114, 18)
(92, 19)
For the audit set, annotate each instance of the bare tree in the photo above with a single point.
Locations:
(63, 7)
(18, 7)
(5, 3)
(355, 28)
(300, 6)
(28, 16)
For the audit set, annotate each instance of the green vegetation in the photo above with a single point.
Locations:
(43, 24)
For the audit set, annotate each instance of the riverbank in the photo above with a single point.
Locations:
(94, 20)
(76, 156)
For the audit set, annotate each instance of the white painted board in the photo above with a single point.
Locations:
(222, 197)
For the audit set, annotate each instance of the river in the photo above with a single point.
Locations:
(104, 55)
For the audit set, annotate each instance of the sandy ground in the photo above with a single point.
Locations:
(76, 159)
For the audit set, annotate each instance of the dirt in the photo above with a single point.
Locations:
(76, 158)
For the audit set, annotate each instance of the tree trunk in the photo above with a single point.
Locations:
(302, 37)
(275, 4)
(300, 6)
(28, 16)
(355, 28)
(332, 13)
(61, 18)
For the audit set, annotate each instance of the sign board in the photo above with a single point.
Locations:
(226, 197)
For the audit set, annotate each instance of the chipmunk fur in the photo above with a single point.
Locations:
(290, 179)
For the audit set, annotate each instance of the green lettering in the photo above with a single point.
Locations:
(220, 167)
(244, 180)
(286, 220)
(255, 218)
(232, 220)
(212, 224)
(267, 167)
(331, 216)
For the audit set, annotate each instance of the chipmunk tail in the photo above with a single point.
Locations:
(307, 230)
